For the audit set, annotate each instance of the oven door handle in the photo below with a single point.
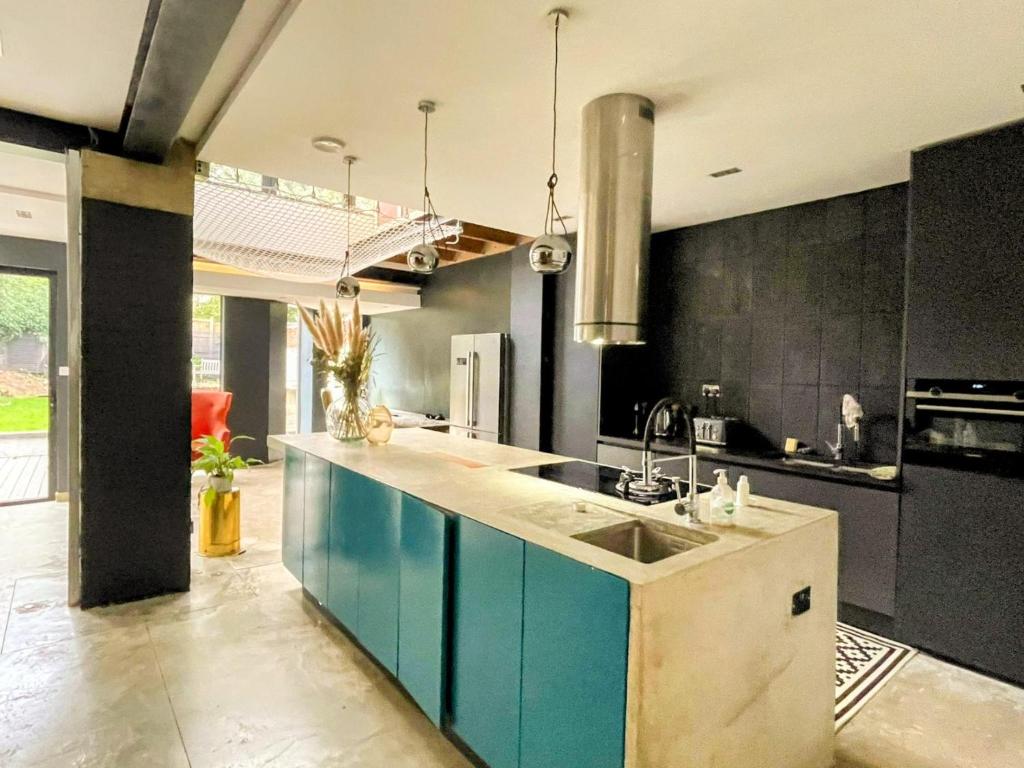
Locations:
(914, 394)
(967, 409)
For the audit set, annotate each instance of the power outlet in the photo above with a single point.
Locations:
(802, 601)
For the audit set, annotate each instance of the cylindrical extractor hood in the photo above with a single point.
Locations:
(616, 166)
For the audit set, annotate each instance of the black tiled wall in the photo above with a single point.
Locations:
(787, 310)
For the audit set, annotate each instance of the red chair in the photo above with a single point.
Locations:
(210, 415)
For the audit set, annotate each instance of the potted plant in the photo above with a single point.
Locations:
(219, 501)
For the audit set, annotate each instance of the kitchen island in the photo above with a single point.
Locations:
(475, 588)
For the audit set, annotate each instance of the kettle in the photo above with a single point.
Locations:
(666, 422)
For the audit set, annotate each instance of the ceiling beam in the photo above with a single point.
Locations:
(186, 38)
(52, 135)
(500, 236)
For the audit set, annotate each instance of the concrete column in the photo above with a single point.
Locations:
(129, 310)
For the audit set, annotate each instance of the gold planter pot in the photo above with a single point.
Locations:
(220, 523)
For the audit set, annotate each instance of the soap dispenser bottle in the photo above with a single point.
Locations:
(723, 506)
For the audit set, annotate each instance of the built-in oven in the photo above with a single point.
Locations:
(965, 424)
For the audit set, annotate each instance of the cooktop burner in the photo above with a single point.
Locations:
(592, 477)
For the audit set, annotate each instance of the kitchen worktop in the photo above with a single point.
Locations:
(469, 478)
(774, 461)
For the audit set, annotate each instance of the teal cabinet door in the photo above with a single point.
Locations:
(487, 641)
(575, 639)
(316, 527)
(343, 556)
(377, 510)
(422, 605)
(292, 510)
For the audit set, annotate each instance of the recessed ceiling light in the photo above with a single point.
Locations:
(23, 214)
(724, 172)
(328, 144)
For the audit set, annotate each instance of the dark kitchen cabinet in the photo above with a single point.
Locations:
(966, 270)
(868, 528)
(961, 571)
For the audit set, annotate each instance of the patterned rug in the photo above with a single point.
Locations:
(864, 663)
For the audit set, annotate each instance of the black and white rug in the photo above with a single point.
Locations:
(864, 663)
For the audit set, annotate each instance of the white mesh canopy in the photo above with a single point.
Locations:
(297, 232)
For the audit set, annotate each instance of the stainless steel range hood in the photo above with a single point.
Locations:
(616, 168)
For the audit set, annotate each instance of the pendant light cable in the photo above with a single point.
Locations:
(552, 214)
(348, 217)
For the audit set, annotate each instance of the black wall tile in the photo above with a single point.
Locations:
(800, 413)
(735, 345)
(844, 218)
(802, 349)
(880, 426)
(766, 345)
(765, 413)
(880, 345)
(885, 255)
(841, 267)
(840, 350)
(768, 284)
(885, 209)
(803, 278)
(807, 223)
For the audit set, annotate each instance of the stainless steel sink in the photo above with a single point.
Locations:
(646, 541)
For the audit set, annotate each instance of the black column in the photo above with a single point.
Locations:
(254, 345)
(136, 289)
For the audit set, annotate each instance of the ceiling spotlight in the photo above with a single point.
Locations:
(23, 214)
(551, 253)
(328, 144)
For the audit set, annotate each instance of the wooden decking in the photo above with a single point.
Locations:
(23, 470)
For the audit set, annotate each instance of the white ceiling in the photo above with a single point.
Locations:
(810, 98)
(32, 181)
(72, 60)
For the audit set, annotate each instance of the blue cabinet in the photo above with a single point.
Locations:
(423, 605)
(292, 511)
(376, 514)
(343, 561)
(575, 640)
(316, 527)
(487, 641)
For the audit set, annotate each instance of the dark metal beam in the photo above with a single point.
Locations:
(52, 135)
(185, 41)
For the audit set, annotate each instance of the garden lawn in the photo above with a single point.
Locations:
(24, 414)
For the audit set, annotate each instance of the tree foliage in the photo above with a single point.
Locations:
(24, 306)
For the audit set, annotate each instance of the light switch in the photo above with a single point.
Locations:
(63, 371)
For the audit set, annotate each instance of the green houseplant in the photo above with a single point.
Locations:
(216, 461)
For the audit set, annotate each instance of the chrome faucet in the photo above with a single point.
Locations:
(649, 479)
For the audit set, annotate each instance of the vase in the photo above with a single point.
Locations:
(220, 523)
(346, 410)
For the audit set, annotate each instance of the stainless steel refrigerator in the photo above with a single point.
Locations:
(478, 400)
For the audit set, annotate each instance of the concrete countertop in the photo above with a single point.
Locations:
(470, 478)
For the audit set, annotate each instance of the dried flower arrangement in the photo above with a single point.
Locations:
(344, 350)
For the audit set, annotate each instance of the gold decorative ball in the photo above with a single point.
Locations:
(380, 424)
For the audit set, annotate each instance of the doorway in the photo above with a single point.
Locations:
(27, 396)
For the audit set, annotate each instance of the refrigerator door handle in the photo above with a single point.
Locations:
(470, 393)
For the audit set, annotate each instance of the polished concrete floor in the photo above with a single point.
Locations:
(241, 671)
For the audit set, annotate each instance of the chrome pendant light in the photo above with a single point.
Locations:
(347, 287)
(551, 253)
(424, 258)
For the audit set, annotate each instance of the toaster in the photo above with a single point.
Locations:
(719, 431)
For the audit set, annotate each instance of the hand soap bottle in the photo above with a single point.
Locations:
(723, 507)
